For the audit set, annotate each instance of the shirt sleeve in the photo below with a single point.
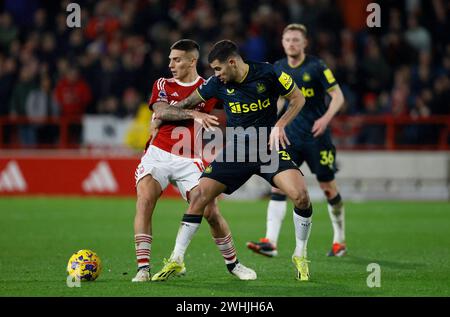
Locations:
(326, 76)
(284, 83)
(158, 93)
(209, 88)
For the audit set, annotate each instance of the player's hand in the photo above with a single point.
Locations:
(278, 136)
(319, 127)
(208, 121)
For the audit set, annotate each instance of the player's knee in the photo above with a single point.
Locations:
(329, 190)
(277, 191)
(194, 196)
(145, 203)
(212, 216)
(198, 199)
(148, 189)
(300, 198)
(277, 194)
(146, 193)
(210, 212)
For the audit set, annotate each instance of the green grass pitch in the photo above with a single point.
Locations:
(409, 240)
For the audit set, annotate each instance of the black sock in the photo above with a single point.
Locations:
(278, 197)
(231, 266)
(336, 200)
(305, 213)
(192, 218)
(146, 267)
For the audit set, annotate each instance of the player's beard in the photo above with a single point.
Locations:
(295, 56)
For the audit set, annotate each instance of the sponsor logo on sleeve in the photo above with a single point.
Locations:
(329, 76)
(285, 80)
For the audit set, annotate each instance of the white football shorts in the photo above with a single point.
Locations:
(167, 168)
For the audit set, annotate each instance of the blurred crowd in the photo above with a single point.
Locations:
(108, 65)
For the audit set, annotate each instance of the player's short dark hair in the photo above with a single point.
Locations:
(185, 45)
(223, 50)
(297, 27)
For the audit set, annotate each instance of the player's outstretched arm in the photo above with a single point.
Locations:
(190, 102)
(337, 100)
(163, 111)
(179, 111)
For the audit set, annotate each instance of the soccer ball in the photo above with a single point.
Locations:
(84, 265)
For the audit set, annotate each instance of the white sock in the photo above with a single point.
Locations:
(185, 234)
(337, 216)
(302, 230)
(276, 211)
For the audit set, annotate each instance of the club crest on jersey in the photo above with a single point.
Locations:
(260, 88)
(306, 77)
(208, 169)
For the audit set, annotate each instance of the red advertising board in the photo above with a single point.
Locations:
(69, 175)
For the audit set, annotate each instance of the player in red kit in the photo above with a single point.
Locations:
(164, 163)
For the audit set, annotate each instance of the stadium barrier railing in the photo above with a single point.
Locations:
(10, 126)
(391, 132)
(386, 132)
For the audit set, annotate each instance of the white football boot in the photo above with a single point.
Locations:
(243, 272)
(142, 276)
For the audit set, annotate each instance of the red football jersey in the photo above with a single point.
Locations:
(171, 91)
